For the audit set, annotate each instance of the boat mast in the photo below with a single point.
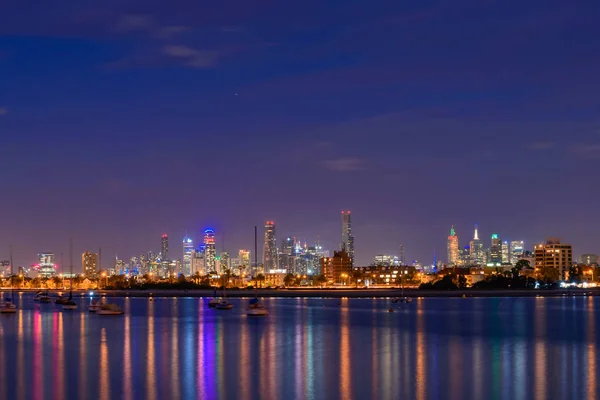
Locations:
(12, 285)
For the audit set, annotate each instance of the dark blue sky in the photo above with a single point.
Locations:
(123, 119)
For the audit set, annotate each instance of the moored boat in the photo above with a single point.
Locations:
(109, 309)
(256, 309)
(7, 307)
(223, 305)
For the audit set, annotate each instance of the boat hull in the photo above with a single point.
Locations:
(69, 307)
(257, 312)
(224, 306)
(109, 312)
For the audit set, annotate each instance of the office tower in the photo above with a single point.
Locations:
(244, 257)
(517, 248)
(46, 267)
(505, 253)
(347, 243)
(89, 264)
(495, 258)
(465, 256)
(224, 260)
(338, 268)
(476, 249)
(287, 255)
(453, 248)
(554, 254)
(270, 248)
(164, 248)
(198, 262)
(188, 249)
(210, 251)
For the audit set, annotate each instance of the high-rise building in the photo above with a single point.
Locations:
(453, 257)
(164, 247)
(210, 251)
(270, 248)
(287, 255)
(505, 253)
(337, 269)
(347, 243)
(476, 250)
(46, 267)
(244, 256)
(495, 258)
(188, 249)
(89, 264)
(198, 265)
(517, 248)
(224, 260)
(554, 254)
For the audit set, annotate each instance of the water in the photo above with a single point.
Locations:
(486, 348)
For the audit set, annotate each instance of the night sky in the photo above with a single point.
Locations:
(124, 119)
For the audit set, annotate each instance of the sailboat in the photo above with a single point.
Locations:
(70, 304)
(8, 306)
(223, 304)
(402, 298)
(255, 307)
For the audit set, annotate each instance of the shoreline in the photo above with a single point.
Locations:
(329, 293)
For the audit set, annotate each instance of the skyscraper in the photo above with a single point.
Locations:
(270, 248)
(517, 248)
(505, 253)
(188, 250)
(89, 264)
(495, 251)
(164, 247)
(347, 243)
(287, 255)
(244, 257)
(453, 257)
(476, 249)
(224, 261)
(46, 267)
(210, 251)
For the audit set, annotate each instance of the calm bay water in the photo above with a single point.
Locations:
(476, 348)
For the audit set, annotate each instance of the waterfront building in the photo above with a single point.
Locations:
(337, 269)
(495, 258)
(553, 254)
(270, 248)
(386, 275)
(505, 253)
(89, 264)
(476, 249)
(188, 249)
(452, 248)
(210, 251)
(517, 249)
(347, 243)
(164, 247)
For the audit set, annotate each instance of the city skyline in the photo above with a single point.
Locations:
(134, 129)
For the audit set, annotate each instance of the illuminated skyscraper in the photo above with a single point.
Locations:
(495, 251)
(453, 257)
(347, 243)
(46, 267)
(287, 255)
(164, 248)
(188, 250)
(89, 264)
(244, 257)
(476, 250)
(505, 253)
(210, 251)
(224, 261)
(270, 248)
(198, 262)
(517, 248)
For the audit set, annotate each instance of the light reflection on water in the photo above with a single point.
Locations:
(307, 348)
